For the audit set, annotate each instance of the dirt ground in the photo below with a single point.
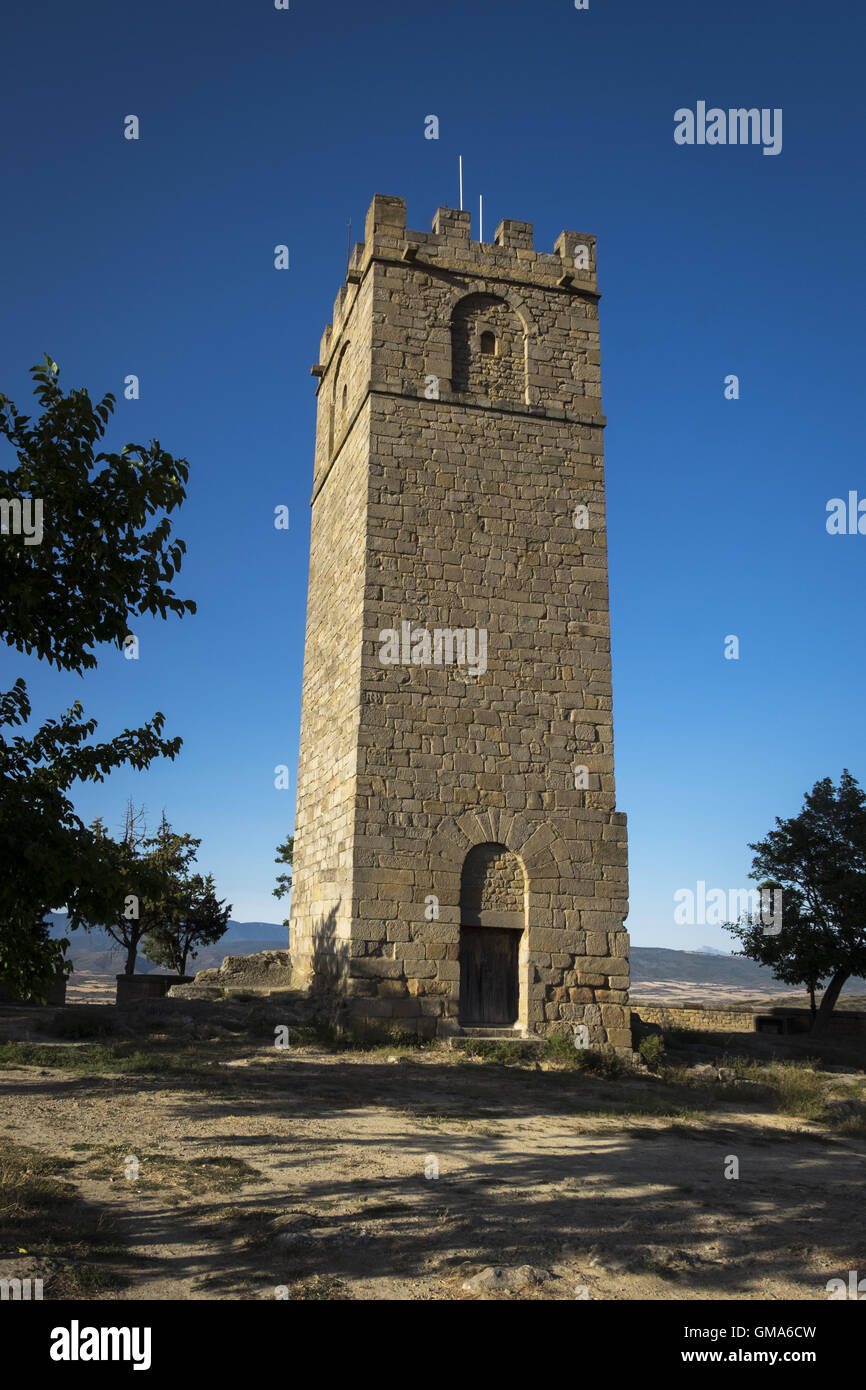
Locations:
(307, 1173)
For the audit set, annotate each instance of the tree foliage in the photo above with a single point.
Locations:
(818, 859)
(142, 868)
(107, 552)
(192, 916)
(798, 954)
(106, 555)
(50, 857)
(285, 852)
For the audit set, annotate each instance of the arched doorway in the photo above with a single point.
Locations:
(492, 918)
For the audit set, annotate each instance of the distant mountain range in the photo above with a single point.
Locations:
(652, 963)
(95, 952)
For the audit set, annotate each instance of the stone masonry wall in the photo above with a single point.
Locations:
(697, 1019)
(322, 891)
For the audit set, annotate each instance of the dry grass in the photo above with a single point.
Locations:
(43, 1217)
(195, 1177)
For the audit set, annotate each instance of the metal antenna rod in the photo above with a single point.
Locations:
(461, 181)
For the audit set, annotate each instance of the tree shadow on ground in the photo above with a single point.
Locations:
(533, 1168)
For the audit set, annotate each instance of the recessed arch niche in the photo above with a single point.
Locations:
(488, 349)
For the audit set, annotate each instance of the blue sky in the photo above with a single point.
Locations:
(260, 127)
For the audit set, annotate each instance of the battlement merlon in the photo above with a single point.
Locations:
(570, 268)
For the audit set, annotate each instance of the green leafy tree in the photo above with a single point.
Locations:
(49, 856)
(30, 956)
(798, 954)
(285, 851)
(192, 917)
(104, 557)
(153, 870)
(819, 860)
(106, 554)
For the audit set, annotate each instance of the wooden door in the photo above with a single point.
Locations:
(488, 976)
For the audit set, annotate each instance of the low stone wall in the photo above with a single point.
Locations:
(733, 1019)
(132, 988)
(695, 1016)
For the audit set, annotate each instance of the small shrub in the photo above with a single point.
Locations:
(800, 1090)
(852, 1124)
(560, 1048)
(501, 1050)
(652, 1049)
(744, 1068)
(606, 1064)
(372, 1038)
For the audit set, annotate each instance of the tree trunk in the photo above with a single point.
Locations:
(132, 951)
(828, 1002)
(812, 1005)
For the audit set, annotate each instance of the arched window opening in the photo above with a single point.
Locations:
(339, 397)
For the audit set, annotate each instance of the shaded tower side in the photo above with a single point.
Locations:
(322, 892)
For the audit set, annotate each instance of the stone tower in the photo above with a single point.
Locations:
(459, 861)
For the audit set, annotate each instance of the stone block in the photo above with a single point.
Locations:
(375, 967)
